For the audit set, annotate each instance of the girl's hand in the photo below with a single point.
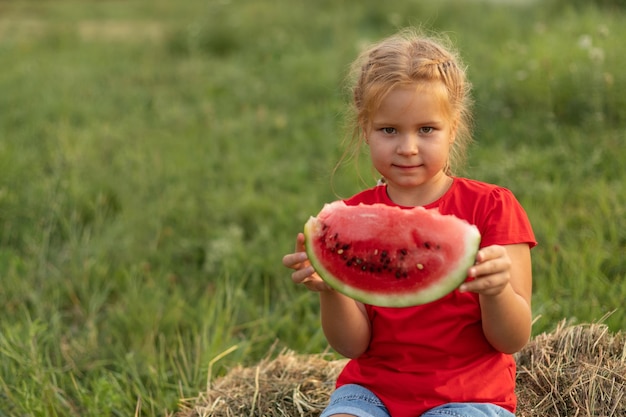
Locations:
(492, 271)
(304, 272)
(503, 280)
(344, 320)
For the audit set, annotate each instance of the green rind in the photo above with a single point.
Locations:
(445, 286)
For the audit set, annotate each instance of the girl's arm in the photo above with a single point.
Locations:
(345, 323)
(504, 283)
(344, 320)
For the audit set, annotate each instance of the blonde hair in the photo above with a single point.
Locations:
(404, 59)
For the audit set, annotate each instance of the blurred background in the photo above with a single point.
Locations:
(158, 158)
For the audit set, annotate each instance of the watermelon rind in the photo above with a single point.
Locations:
(470, 242)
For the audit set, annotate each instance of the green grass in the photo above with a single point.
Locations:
(158, 158)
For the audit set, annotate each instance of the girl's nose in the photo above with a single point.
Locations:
(407, 145)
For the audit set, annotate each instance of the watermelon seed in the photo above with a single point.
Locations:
(429, 245)
(383, 254)
(401, 274)
(403, 252)
(420, 266)
(339, 251)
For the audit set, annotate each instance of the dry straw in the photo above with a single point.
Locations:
(574, 371)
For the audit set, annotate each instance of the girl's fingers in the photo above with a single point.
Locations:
(294, 260)
(300, 243)
(492, 284)
(491, 271)
(301, 275)
(495, 266)
(304, 272)
(490, 252)
(490, 260)
(316, 285)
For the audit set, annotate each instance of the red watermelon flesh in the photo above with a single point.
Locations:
(389, 256)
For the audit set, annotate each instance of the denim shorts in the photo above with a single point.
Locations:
(356, 400)
(361, 402)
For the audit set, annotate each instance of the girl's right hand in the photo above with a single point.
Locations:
(304, 272)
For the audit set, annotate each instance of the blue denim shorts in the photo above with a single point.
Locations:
(356, 400)
(361, 402)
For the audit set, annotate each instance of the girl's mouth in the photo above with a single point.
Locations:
(407, 166)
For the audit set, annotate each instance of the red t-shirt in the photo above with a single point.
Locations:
(425, 356)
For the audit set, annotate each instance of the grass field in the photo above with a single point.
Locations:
(157, 159)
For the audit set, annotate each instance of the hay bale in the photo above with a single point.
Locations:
(573, 371)
(287, 386)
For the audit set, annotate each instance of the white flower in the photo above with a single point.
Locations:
(585, 42)
(596, 54)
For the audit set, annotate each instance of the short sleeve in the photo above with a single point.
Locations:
(504, 220)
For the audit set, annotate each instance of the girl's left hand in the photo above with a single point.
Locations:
(492, 272)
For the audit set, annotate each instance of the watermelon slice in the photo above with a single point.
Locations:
(388, 256)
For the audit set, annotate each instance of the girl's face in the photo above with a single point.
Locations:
(409, 138)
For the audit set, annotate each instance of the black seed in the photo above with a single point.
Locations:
(427, 245)
(345, 247)
(383, 254)
(359, 261)
(403, 252)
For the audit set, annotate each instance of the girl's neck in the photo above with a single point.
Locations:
(422, 195)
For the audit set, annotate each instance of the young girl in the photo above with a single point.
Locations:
(451, 357)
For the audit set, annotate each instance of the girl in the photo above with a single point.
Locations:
(450, 357)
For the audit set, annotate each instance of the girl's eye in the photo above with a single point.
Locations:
(427, 129)
(388, 130)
